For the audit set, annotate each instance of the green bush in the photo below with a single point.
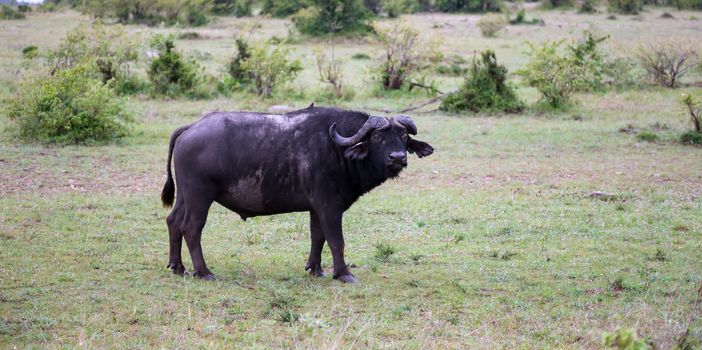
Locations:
(491, 25)
(406, 53)
(171, 74)
(556, 3)
(625, 7)
(24, 8)
(624, 339)
(468, 5)
(183, 12)
(485, 89)
(109, 47)
(72, 106)
(236, 71)
(688, 4)
(238, 8)
(588, 6)
(9, 12)
(268, 67)
(557, 71)
(691, 138)
(693, 109)
(30, 52)
(333, 16)
(283, 8)
(647, 135)
(395, 8)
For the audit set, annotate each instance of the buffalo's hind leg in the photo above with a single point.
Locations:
(174, 220)
(193, 223)
(314, 262)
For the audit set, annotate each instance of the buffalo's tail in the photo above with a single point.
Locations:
(168, 192)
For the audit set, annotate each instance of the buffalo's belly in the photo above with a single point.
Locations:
(250, 203)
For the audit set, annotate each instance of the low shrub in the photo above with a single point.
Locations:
(556, 3)
(452, 69)
(559, 70)
(625, 7)
(24, 8)
(693, 110)
(109, 47)
(30, 52)
(647, 135)
(72, 106)
(668, 60)
(395, 8)
(360, 56)
(283, 8)
(235, 69)
(171, 74)
(9, 12)
(688, 4)
(330, 71)
(485, 89)
(588, 6)
(238, 8)
(467, 5)
(155, 12)
(624, 339)
(269, 67)
(491, 25)
(333, 16)
(406, 53)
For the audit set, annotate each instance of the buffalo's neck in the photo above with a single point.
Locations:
(364, 178)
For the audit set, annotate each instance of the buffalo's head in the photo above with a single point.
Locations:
(384, 142)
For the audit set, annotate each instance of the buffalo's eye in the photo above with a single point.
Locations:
(403, 138)
(376, 138)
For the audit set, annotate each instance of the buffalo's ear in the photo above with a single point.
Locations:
(422, 149)
(357, 151)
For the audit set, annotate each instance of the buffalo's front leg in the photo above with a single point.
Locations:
(314, 262)
(330, 220)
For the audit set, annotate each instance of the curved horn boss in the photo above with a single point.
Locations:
(374, 122)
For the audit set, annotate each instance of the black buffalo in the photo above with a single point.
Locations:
(262, 164)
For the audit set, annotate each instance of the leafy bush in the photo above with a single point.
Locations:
(693, 109)
(331, 72)
(668, 60)
(406, 52)
(236, 71)
(9, 12)
(395, 8)
(647, 135)
(109, 47)
(625, 7)
(283, 8)
(71, 106)
(360, 56)
(468, 5)
(485, 89)
(333, 16)
(30, 52)
(491, 25)
(556, 3)
(624, 339)
(189, 12)
(268, 67)
(171, 74)
(238, 8)
(588, 6)
(24, 8)
(688, 4)
(558, 72)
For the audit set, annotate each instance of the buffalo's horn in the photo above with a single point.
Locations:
(408, 123)
(373, 122)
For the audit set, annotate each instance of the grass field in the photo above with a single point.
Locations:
(497, 241)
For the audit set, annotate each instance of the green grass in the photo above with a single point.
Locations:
(492, 242)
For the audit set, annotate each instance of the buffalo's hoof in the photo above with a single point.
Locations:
(347, 278)
(206, 276)
(315, 270)
(177, 268)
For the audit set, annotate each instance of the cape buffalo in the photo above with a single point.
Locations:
(262, 164)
